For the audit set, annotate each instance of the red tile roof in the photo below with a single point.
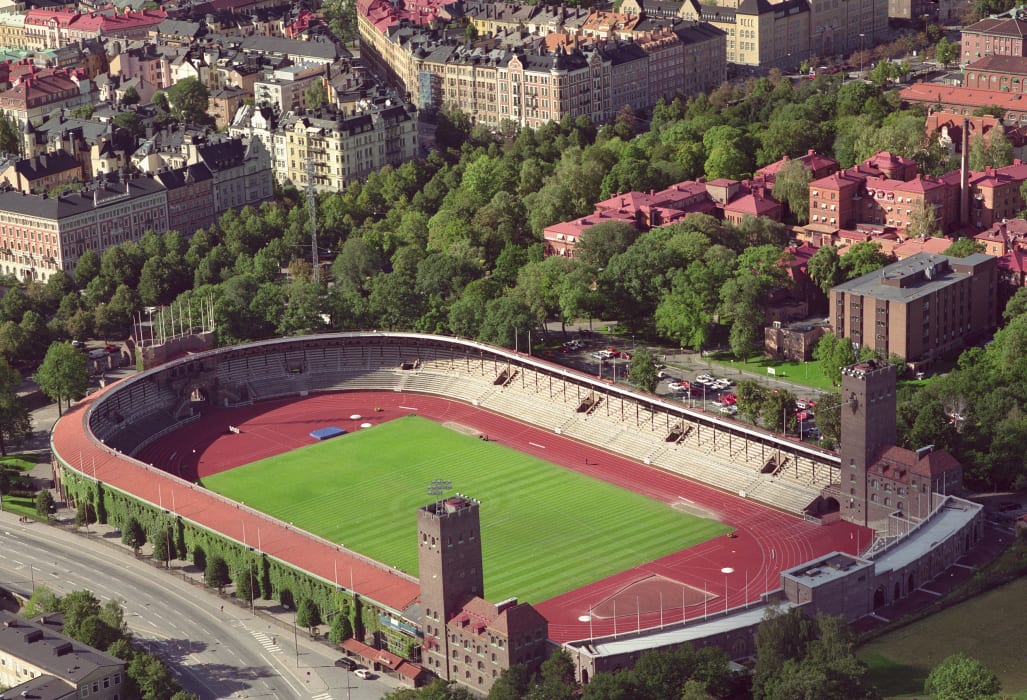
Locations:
(381, 656)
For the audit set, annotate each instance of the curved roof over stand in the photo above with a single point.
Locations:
(76, 447)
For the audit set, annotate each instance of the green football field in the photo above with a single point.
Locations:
(545, 530)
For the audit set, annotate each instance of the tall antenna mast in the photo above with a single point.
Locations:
(312, 206)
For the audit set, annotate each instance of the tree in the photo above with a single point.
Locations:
(45, 505)
(341, 627)
(152, 676)
(642, 370)
(603, 241)
(188, 99)
(63, 375)
(829, 419)
(833, 353)
(946, 52)
(557, 678)
(964, 247)
(307, 614)
(791, 186)
(825, 269)
(76, 607)
(162, 540)
(87, 267)
(160, 101)
(863, 258)
(43, 600)
(15, 420)
(781, 637)
(133, 534)
(216, 573)
(244, 579)
(513, 683)
(342, 18)
(960, 676)
(10, 135)
(131, 97)
(129, 121)
(751, 396)
(315, 96)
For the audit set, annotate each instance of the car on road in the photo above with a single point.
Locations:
(363, 673)
(346, 663)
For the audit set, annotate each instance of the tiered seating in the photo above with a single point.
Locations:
(517, 404)
(131, 435)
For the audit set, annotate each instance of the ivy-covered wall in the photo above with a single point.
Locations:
(275, 580)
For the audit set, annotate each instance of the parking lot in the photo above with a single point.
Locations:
(700, 385)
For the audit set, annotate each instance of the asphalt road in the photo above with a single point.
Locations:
(215, 653)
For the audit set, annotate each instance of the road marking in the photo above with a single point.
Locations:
(322, 696)
(535, 444)
(408, 408)
(269, 642)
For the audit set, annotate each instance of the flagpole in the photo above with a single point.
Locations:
(706, 601)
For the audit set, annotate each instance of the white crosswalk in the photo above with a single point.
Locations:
(322, 696)
(268, 641)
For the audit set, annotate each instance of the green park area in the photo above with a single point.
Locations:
(988, 627)
(545, 529)
(17, 493)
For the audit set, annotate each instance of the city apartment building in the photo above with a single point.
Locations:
(759, 33)
(346, 148)
(42, 172)
(285, 88)
(39, 234)
(12, 32)
(190, 197)
(531, 82)
(37, 93)
(35, 658)
(52, 28)
(921, 309)
(998, 36)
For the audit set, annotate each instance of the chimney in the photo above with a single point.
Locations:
(964, 176)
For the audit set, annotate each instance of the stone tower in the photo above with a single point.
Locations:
(867, 427)
(449, 567)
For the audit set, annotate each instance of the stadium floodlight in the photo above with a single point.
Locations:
(438, 488)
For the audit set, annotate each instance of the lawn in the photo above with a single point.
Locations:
(545, 529)
(988, 627)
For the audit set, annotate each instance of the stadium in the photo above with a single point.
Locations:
(153, 436)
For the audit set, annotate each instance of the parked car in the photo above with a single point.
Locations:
(598, 355)
(729, 399)
(721, 384)
(729, 410)
(625, 355)
(78, 345)
(363, 673)
(678, 386)
(704, 379)
(346, 663)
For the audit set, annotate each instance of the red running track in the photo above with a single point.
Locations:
(767, 542)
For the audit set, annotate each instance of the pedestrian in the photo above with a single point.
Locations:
(222, 608)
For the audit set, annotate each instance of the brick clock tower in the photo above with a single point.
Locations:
(867, 427)
(449, 568)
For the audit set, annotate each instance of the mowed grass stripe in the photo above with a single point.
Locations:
(545, 529)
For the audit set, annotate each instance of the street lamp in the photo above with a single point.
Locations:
(727, 570)
(861, 35)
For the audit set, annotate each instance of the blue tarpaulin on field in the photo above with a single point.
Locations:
(325, 433)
